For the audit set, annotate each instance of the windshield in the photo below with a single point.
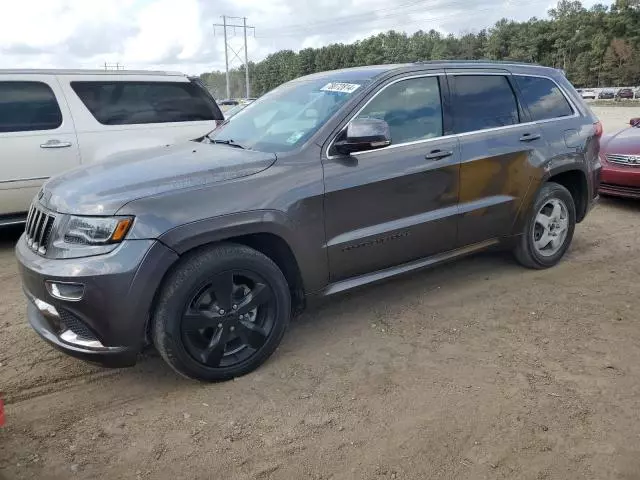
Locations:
(288, 116)
(231, 112)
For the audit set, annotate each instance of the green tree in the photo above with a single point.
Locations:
(596, 47)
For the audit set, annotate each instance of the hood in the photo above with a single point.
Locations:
(625, 141)
(105, 187)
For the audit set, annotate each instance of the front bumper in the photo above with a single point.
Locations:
(620, 191)
(107, 325)
(620, 181)
(48, 329)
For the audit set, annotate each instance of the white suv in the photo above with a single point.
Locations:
(53, 120)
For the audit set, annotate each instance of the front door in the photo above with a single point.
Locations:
(500, 153)
(389, 206)
(37, 138)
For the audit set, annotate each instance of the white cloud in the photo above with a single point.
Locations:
(178, 35)
(166, 29)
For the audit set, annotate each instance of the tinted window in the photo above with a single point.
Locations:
(127, 103)
(412, 108)
(543, 97)
(28, 106)
(483, 101)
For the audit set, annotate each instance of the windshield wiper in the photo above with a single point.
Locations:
(229, 142)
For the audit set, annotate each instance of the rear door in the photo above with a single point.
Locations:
(37, 138)
(551, 110)
(133, 112)
(500, 151)
(395, 204)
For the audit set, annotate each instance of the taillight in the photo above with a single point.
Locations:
(599, 129)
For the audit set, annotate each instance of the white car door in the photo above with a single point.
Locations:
(37, 139)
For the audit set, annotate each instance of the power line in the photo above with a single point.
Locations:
(351, 17)
(375, 23)
(397, 11)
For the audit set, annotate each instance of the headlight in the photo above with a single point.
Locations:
(96, 230)
(76, 237)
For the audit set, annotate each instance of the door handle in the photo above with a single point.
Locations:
(529, 137)
(55, 144)
(438, 154)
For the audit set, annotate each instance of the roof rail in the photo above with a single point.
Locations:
(61, 71)
(481, 61)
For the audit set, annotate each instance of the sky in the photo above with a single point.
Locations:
(179, 34)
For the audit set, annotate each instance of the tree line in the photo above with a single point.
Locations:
(599, 46)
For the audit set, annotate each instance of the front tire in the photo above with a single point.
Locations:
(221, 313)
(549, 229)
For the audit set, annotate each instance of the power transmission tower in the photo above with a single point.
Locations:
(226, 29)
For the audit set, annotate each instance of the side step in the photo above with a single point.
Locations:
(380, 275)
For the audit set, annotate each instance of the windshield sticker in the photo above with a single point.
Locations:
(294, 137)
(340, 87)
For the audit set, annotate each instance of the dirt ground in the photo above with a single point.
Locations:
(476, 370)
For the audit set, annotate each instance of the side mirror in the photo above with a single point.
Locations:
(364, 134)
(634, 122)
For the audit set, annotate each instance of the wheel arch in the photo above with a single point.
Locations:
(268, 232)
(574, 179)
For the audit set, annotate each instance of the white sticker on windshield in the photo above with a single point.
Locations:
(294, 137)
(340, 87)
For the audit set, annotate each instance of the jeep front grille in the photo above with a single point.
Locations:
(38, 230)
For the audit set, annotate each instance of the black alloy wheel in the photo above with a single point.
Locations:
(229, 319)
(221, 312)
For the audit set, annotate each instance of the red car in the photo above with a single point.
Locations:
(620, 156)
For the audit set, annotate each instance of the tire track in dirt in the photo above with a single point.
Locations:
(477, 369)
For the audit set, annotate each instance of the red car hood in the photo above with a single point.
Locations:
(626, 141)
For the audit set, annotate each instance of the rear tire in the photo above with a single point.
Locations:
(221, 313)
(549, 228)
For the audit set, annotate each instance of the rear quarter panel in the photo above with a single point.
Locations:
(572, 145)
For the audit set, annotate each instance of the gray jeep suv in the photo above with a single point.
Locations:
(327, 183)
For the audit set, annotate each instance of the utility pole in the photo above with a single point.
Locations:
(226, 54)
(246, 57)
(226, 28)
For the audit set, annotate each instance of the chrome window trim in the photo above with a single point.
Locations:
(415, 142)
(16, 180)
(576, 111)
(504, 73)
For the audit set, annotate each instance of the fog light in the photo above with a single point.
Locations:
(65, 291)
(46, 308)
